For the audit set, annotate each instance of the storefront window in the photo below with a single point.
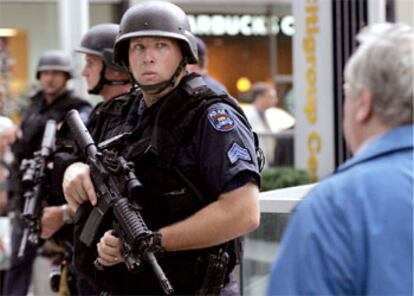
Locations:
(27, 29)
(35, 30)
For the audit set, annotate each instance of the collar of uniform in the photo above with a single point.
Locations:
(190, 82)
(400, 138)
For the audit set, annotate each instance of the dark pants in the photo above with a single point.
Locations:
(17, 277)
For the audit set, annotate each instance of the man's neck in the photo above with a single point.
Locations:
(150, 99)
(370, 132)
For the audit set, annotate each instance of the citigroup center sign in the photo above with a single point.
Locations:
(245, 25)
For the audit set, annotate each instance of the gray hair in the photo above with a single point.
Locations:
(383, 64)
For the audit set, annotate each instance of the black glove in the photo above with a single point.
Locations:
(151, 243)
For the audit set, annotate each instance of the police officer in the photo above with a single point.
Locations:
(195, 155)
(51, 102)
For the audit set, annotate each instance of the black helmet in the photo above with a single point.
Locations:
(158, 19)
(100, 40)
(54, 60)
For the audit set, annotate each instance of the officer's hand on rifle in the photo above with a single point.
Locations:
(52, 221)
(77, 185)
(109, 249)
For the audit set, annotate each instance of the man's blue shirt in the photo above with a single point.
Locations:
(353, 234)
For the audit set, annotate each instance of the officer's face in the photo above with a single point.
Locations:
(153, 59)
(53, 82)
(92, 70)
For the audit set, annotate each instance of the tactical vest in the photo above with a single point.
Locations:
(168, 195)
(161, 133)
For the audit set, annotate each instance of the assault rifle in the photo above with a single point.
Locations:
(114, 179)
(33, 183)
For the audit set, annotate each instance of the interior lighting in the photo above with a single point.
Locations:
(243, 84)
(4, 32)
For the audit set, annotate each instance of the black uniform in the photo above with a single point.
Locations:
(32, 125)
(188, 148)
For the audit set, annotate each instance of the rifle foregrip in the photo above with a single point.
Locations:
(130, 221)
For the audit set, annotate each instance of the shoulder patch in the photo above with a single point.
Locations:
(237, 152)
(221, 120)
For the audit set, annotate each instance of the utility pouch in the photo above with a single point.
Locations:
(215, 274)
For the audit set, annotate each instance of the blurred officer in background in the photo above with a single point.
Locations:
(195, 155)
(201, 67)
(51, 102)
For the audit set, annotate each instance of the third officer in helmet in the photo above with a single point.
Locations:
(194, 153)
(51, 102)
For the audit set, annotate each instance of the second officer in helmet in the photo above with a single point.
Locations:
(110, 81)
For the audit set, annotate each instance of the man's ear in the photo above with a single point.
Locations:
(365, 106)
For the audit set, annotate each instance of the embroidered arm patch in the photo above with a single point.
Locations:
(237, 152)
(221, 120)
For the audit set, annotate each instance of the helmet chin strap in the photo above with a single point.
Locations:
(157, 88)
(103, 81)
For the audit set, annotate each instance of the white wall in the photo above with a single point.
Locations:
(404, 11)
(40, 22)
